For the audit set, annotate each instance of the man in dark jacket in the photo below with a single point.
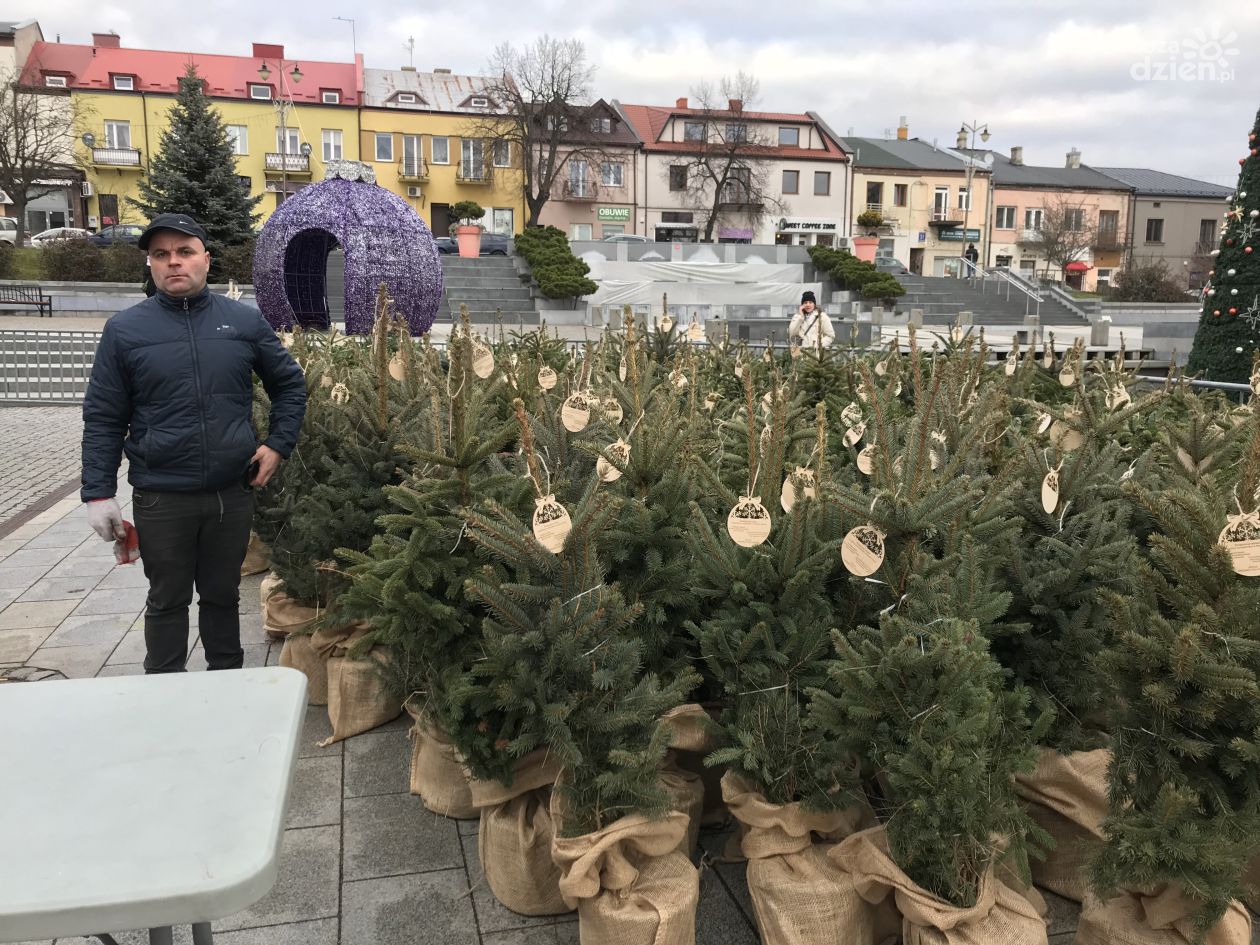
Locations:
(172, 387)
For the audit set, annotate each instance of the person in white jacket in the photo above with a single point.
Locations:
(810, 327)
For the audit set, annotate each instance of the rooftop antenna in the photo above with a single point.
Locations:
(410, 46)
(354, 45)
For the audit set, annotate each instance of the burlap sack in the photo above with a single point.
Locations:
(799, 895)
(359, 695)
(687, 791)
(1251, 885)
(299, 653)
(257, 556)
(1000, 916)
(283, 615)
(514, 838)
(693, 735)
(438, 775)
(1067, 797)
(1160, 919)
(630, 883)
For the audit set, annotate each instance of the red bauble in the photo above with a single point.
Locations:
(1242, 160)
(1254, 152)
(1251, 137)
(1233, 311)
(1216, 312)
(1229, 242)
(1247, 250)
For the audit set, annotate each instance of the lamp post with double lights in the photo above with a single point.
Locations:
(284, 101)
(972, 129)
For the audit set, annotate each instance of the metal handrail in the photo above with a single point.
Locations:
(1009, 279)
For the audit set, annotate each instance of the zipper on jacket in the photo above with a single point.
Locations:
(201, 410)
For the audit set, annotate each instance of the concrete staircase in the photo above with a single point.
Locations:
(488, 285)
(992, 303)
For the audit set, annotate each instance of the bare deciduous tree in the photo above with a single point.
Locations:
(729, 168)
(540, 100)
(1067, 234)
(38, 127)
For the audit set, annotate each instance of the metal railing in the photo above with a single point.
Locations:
(46, 366)
(116, 157)
(580, 188)
(413, 169)
(1004, 280)
(279, 161)
(472, 174)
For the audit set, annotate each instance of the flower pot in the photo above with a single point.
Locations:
(469, 240)
(863, 247)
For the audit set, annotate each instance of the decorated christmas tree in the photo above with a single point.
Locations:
(1229, 328)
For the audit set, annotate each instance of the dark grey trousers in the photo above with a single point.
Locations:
(187, 540)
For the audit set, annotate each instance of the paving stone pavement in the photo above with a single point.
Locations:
(40, 454)
(363, 862)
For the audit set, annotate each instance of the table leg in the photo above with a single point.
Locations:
(201, 934)
(161, 936)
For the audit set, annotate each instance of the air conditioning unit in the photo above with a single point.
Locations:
(415, 192)
(273, 186)
(86, 188)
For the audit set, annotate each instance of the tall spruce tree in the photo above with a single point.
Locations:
(1229, 328)
(194, 171)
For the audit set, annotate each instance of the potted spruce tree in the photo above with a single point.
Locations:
(468, 230)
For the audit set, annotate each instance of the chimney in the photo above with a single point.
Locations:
(681, 103)
(1017, 156)
(268, 51)
(903, 130)
(110, 40)
(408, 68)
(735, 104)
(1074, 158)
(442, 71)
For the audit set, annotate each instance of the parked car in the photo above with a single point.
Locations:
(59, 234)
(492, 244)
(118, 233)
(889, 264)
(8, 230)
(626, 238)
(446, 246)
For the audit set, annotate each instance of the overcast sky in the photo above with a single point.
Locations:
(1045, 74)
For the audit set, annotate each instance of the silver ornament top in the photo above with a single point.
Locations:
(349, 170)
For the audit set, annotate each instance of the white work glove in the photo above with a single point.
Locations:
(106, 519)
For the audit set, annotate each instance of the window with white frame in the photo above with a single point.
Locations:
(613, 174)
(1104, 278)
(118, 134)
(736, 132)
(1032, 219)
(440, 150)
(411, 163)
(579, 184)
(503, 154)
(332, 144)
(259, 91)
(288, 141)
(472, 158)
(1074, 219)
(124, 83)
(406, 98)
(601, 126)
(581, 231)
(964, 199)
(55, 81)
(479, 102)
(384, 146)
(330, 97)
(1005, 218)
(238, 136)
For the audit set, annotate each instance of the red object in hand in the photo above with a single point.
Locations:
(127, 550)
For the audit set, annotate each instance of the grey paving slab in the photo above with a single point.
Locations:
(120, 576)
(130, 650)
(72, 566)
(378, 762)
(533, 935)
(8, 596)
(21, 578)
(64, 539)
(1063, 915)
(734, 876)
(121, 669)
(41, 452)
(252, 629)
(492, 915)
(568, 932)
(390, 834)
(306, 884)
(408, 910)
(126, 600)
(315, 800)
(66, 588)
(315, 729)
(77, 631)
(77, 662)
(8, 546)
(719, 921)
(29, 557)
(17, 644)
(468, 828)
(255, 655)
(319, 932)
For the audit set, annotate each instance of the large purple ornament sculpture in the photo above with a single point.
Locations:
(384, 241)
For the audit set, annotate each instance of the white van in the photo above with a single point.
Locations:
(8, 230)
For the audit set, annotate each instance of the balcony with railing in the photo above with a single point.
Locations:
(580, 188)
(472, 173)
(1029, 235)
(413, 169)
(1205, 247)
(943, 216)
(116, 157)
(739, 197)
(281, 163)
(1107, 239)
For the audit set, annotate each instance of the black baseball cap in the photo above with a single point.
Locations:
(179, 222)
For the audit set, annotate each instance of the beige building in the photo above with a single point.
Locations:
(806, 195)
(934, 202)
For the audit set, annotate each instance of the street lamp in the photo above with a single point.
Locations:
(283, 105)
(973, 129)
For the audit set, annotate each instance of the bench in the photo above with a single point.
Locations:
(26, 295)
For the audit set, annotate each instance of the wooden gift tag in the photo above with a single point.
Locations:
(551, 523)
(936, 447)
(739, 369)
(665, 325)
(1050, 491)
(483, 360)
(325, 381)
(606, 471)
(1241, 538)
(1065, 436)
(1043, 422)
(547, 377)
(802, 478)
(340, 394)
(710, 401)
(575, 414)
(695, 332)
(397, 368)
(1118, 398)
(612, 410)
(1012, 361)
(767, 402)
(1067, 376)
(881, 368)
(749, 522)
(862, 550)
(679, 378)
(621, 370)
(853, 437)
(866, 459)
(851, 415)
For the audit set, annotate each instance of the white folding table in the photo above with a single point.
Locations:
(134, 802)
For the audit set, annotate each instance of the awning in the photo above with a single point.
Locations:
(1077, 267)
